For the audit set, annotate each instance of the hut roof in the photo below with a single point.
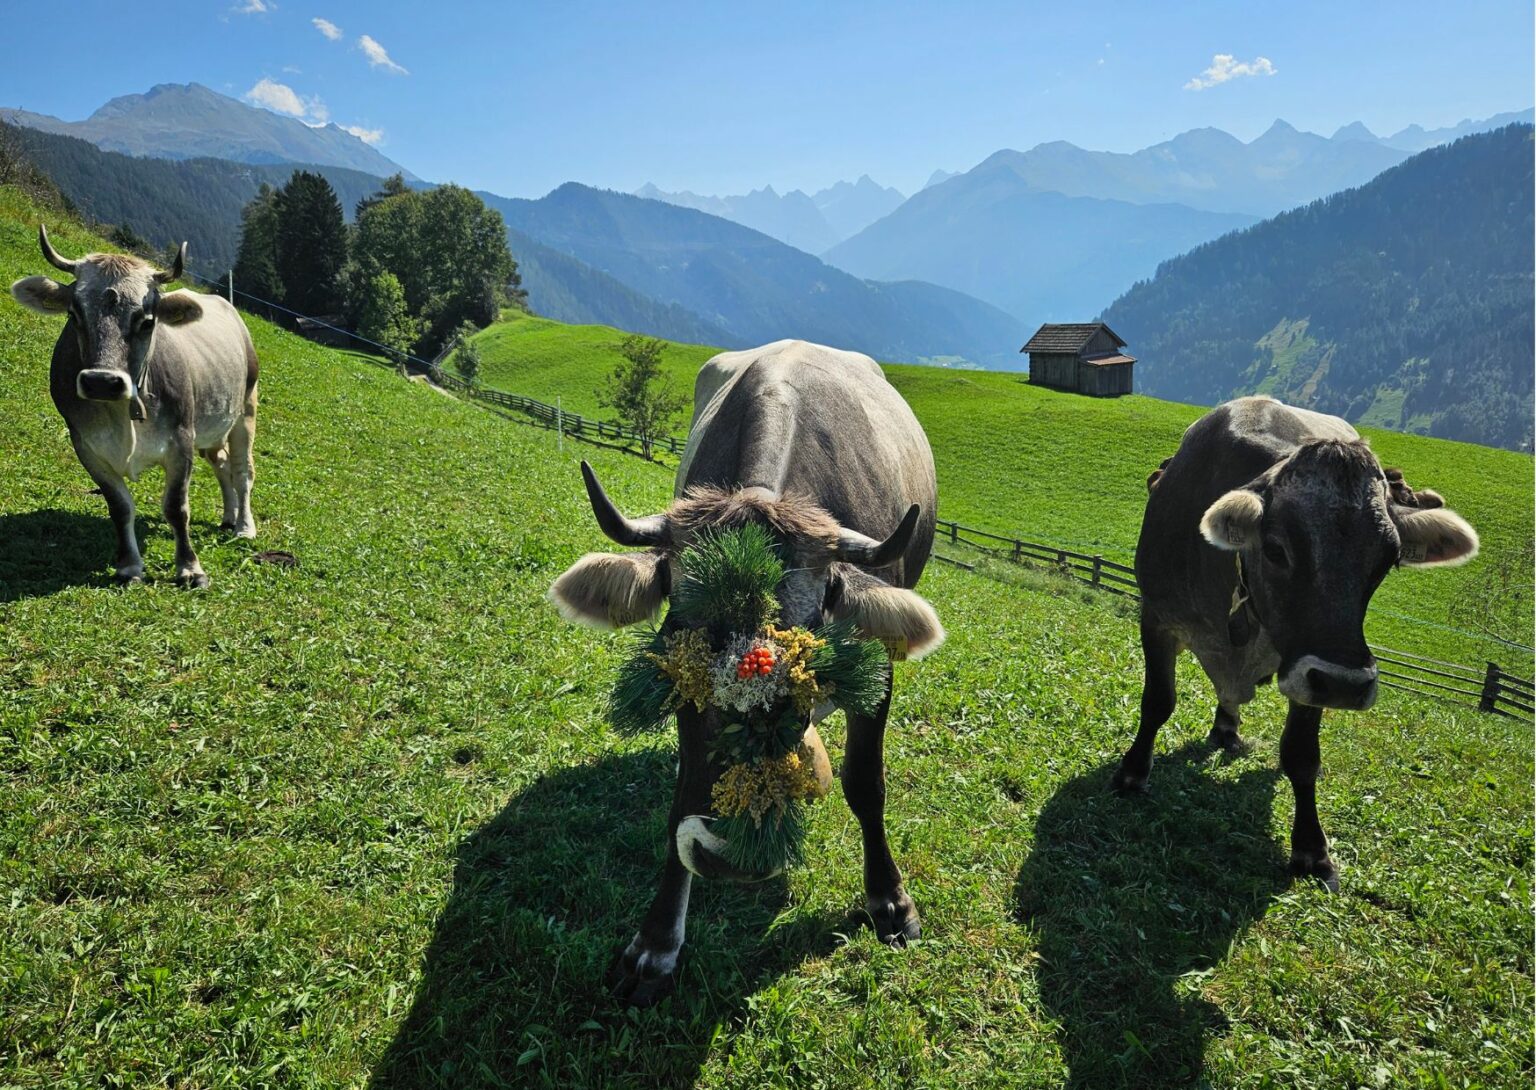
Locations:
(1067, 336)
(1109, 360)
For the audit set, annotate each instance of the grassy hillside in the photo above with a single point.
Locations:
(360, 823)
(1069, 470)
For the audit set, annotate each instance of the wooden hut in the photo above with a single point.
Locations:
(1084, 357)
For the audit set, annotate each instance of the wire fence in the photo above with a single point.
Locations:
(1490, 687)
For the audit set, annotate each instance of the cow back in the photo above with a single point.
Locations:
(800, 418)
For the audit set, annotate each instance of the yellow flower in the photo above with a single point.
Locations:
(769, 784)
(798, 646)
(686, 662)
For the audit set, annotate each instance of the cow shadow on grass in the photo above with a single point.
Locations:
(544, 896)
(1132, 899)
(45, 551)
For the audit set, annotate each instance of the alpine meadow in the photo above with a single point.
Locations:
(361, 821)
(825, 547)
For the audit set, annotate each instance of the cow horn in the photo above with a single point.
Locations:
(176, 267)
(646, 532)
(52, 255)
(855, 548)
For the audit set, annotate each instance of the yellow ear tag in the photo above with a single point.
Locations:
(897, 649)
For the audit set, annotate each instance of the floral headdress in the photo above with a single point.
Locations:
(721, 649)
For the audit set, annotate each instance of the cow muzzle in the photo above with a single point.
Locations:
(104, 384)
(1322, 684)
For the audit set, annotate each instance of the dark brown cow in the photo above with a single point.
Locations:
(815, 445)
(1263, 540)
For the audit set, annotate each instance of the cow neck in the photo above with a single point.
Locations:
(1243, 617)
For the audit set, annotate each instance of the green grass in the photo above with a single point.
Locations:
(1068, 470)
(360, 823)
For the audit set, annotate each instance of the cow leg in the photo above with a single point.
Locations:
(242, 468)
(1300, 759)
(218, 458)
(646, 972)
(888, 904)
(1224, 736)
(178, 477)
(1160, 651)
(129, 563)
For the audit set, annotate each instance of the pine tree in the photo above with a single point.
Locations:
(311, 244)
(256, 261)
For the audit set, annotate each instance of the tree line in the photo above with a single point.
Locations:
(413, 269)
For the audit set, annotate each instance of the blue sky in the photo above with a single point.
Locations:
(517, 98)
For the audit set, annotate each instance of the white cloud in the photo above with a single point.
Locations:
(328, 28)
(1224, 67)
(254, 7)
(282, 99)
(367, 136)
(378, 57)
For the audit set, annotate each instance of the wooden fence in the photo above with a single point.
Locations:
(549, 416)
(1489, 687)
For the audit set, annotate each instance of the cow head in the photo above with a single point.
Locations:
(1315, 535)
(823, 563)
(114, 304)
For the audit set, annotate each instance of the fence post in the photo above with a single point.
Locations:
(1017, 550)
(231, 287)
(1489, 702)
(560, 424)
(954, 533)
(1098, 564)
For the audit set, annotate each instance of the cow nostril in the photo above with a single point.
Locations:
(1318, 682)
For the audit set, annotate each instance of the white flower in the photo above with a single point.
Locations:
(732, 692)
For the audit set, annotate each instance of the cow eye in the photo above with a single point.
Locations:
(1276, 555)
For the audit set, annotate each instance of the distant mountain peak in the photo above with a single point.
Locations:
(190, 121)
(1355, 130)
(1280, 128)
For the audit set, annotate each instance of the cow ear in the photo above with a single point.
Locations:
(178, 308)
(611, 590)
(43, 295)
(883, 612)
(1436, 537)
(1232, 522)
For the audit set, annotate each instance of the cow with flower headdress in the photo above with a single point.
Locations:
(804, 516)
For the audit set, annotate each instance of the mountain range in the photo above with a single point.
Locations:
(751, 287)
(812, 223)
(190, 121)
(1405, 303)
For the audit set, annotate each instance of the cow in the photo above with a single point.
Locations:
(1264, 538)
(145, 377)
(814, 445)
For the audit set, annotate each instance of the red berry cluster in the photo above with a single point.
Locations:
(757, 661)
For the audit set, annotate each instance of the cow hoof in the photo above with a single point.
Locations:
(247, 531)
(895, 919)
(1316, 865)
(1229, 742)
(1128, 783)
(642, 978)
(192, 580)
(130, 579)
(226, 527)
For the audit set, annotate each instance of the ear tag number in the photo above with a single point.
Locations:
(1414, 552)
(897, 649)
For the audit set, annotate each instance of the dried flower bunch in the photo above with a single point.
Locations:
(720, 649)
